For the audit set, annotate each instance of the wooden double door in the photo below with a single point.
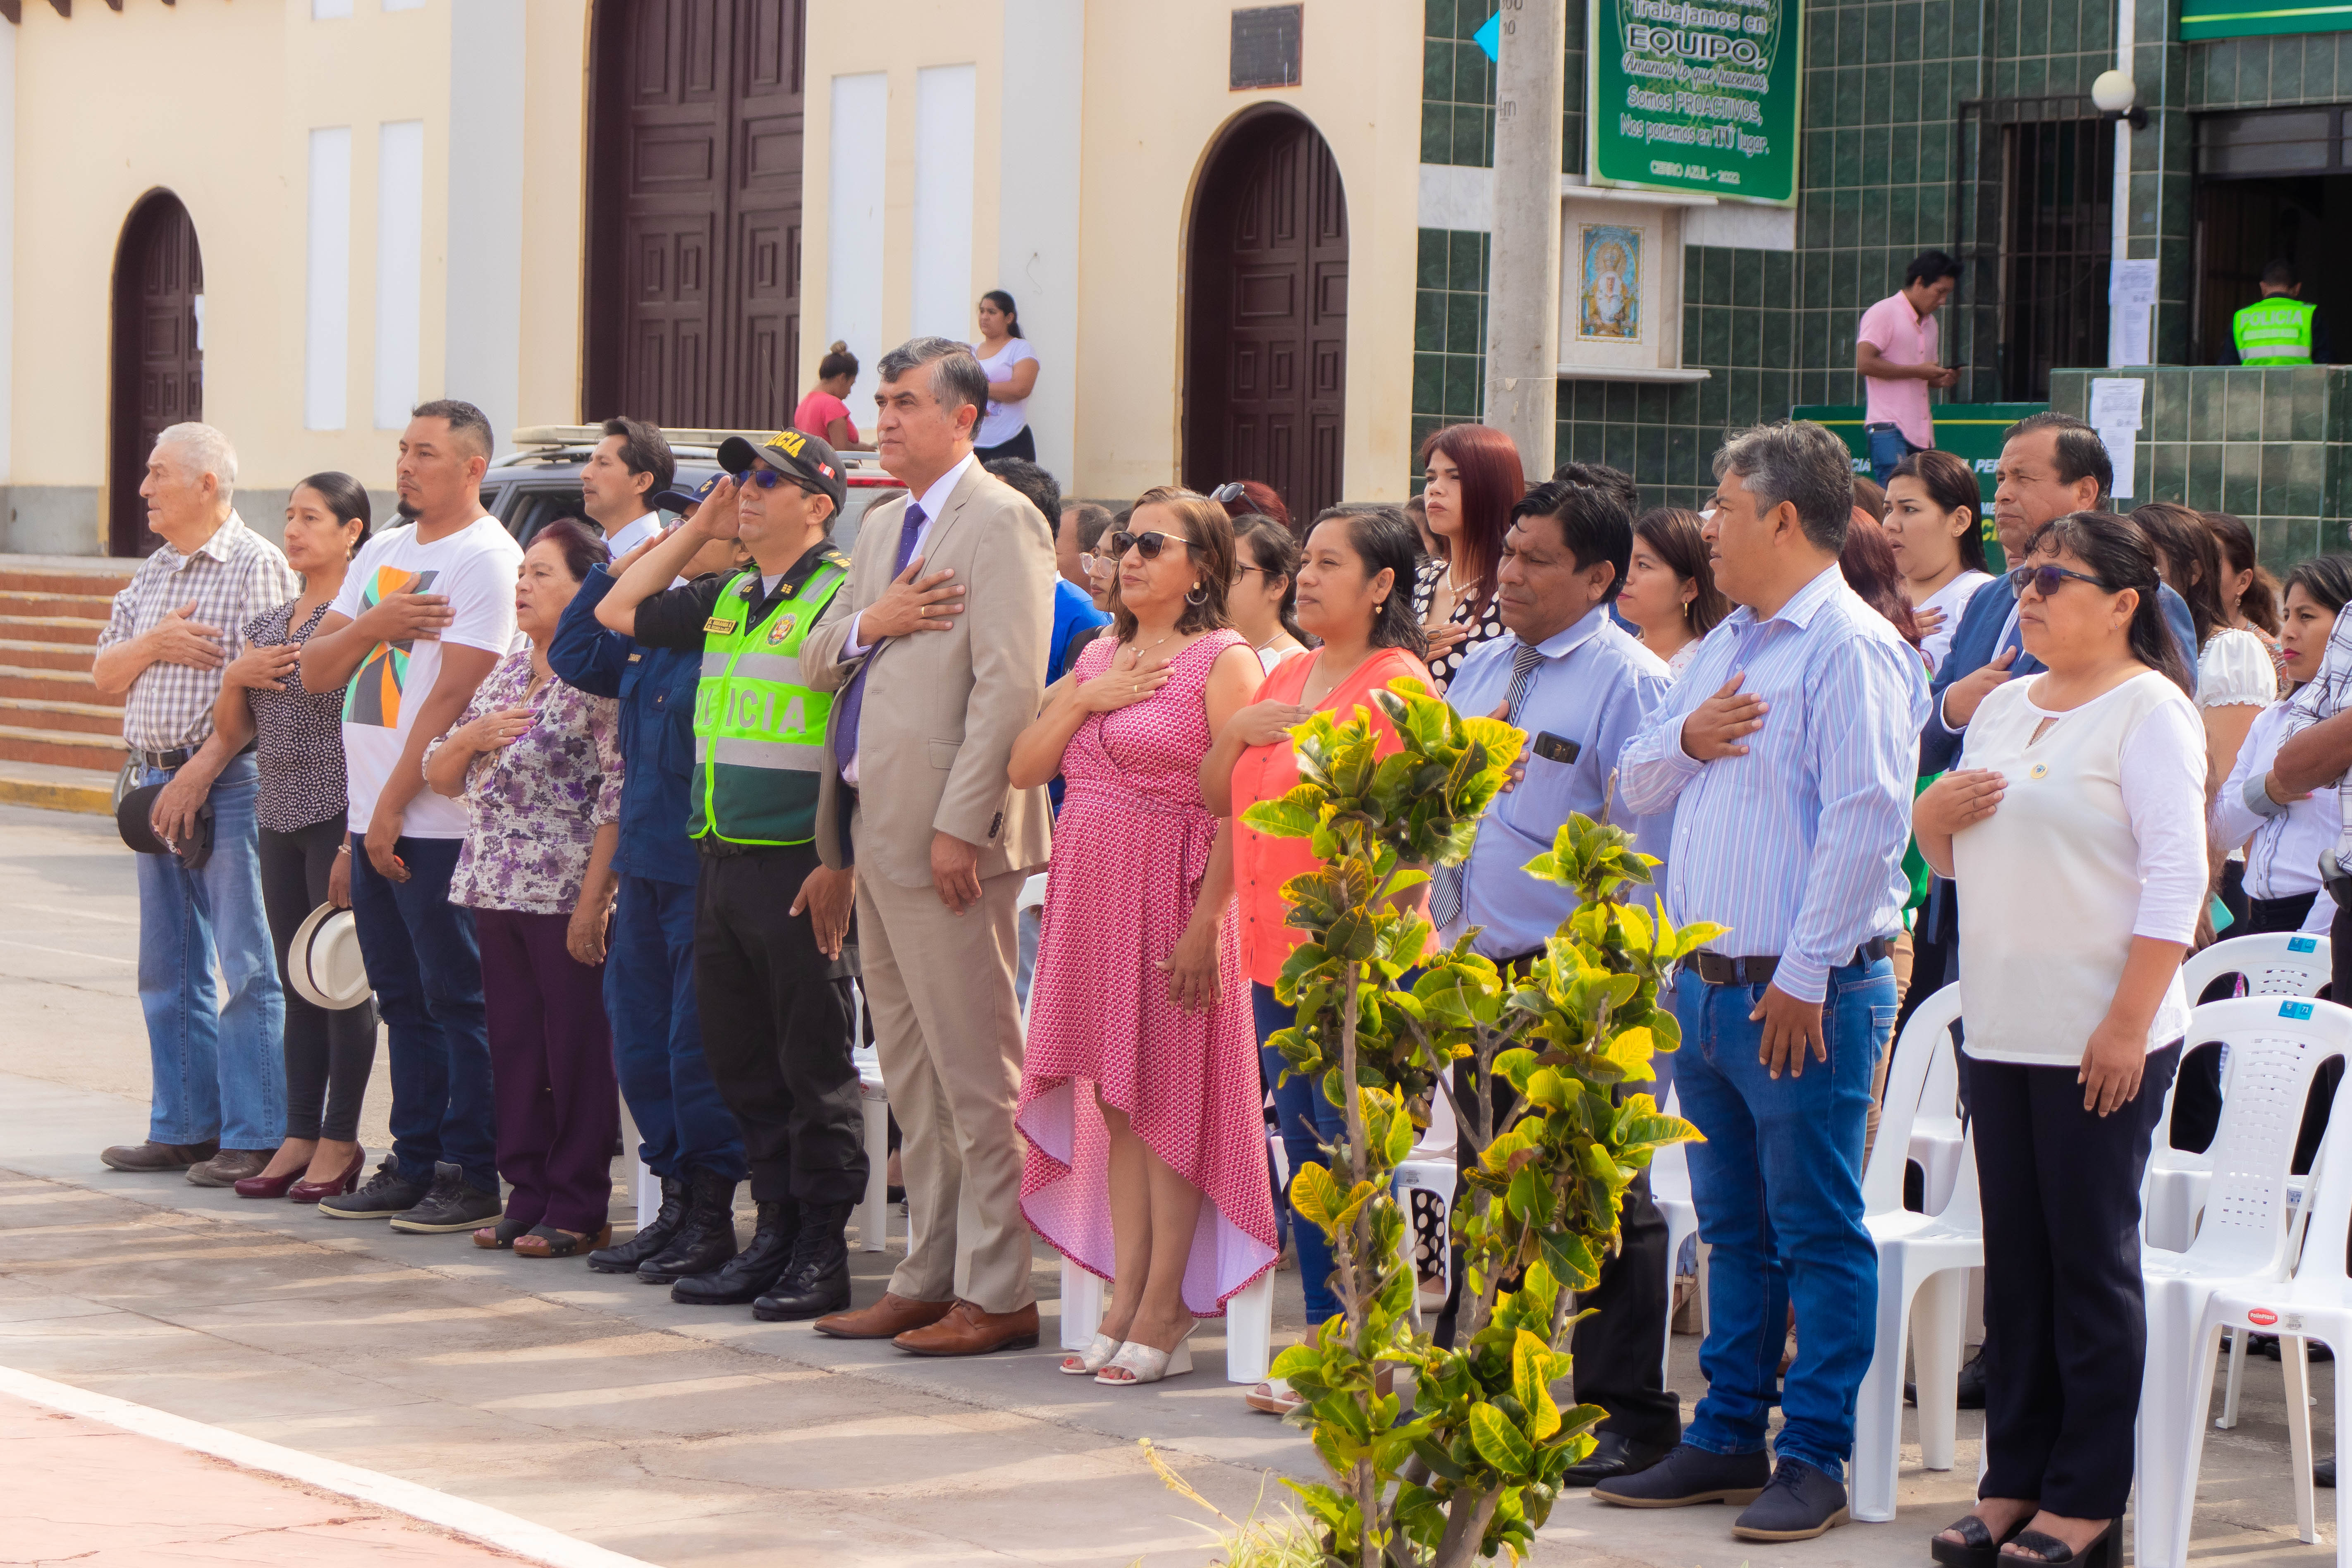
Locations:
(158, 371)
(1266, 369)
(694, 222)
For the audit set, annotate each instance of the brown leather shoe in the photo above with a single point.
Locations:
(968, 1331)
(229, 1167)
(886, 1319)
(151, 1156)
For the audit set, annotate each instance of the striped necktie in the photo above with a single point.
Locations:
(1446, 882)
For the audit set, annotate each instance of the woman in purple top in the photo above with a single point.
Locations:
(539, 765)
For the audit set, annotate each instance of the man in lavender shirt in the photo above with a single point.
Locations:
(1894, 354)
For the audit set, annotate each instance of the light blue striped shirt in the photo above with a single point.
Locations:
(1595, 686)
(1798, 846)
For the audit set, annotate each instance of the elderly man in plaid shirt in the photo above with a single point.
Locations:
(219, 1102)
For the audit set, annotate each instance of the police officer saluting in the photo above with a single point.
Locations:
(769, 920)
(2281, 328)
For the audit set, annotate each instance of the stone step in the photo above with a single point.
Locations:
(78, 631)
(39, 685)
(24, 653)
(61, 748)
(55, 788)
(61, 713)
(17, 601)
(96, 575)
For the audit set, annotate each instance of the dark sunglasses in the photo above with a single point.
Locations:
(1149, 544)
(2047, 580)
(1228, 493)
(768, 479)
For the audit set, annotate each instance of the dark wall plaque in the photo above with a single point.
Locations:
(1265, 47)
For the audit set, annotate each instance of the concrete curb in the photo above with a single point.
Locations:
(96, 800)
(490, 1526)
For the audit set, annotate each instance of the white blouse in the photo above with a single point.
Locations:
(1952, 599)
(2283, 859)
(2234, 670)
(2099, 837)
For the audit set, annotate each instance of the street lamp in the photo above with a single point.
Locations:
(2117, 97)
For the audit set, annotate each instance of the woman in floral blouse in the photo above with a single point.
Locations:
(539, 764)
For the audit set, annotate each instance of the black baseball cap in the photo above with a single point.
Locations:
(678, 500)
(808, 459)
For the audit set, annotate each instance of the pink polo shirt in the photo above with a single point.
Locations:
(1899, 334)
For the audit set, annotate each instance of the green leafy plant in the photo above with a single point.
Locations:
(1474, 1468)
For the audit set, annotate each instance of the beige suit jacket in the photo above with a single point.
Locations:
(942, 709)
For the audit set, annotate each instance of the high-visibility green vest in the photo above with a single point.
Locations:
(2276, 330)
(758, 733)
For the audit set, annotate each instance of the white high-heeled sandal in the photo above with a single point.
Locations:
(1149, 1363)
(1093, 1359)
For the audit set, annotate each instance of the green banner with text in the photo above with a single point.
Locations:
(2203, 19)
(1691, 97)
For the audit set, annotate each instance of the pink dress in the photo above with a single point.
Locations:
(1131, 848)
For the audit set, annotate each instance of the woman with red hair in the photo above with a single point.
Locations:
(1472, 479)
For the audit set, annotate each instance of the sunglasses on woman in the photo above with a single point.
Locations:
(2046, 580)
(1149, 544)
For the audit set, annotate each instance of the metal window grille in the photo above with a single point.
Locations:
(2035, 201)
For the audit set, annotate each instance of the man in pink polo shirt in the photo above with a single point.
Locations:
(1894, 354)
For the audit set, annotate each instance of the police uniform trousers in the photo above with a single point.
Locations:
(775, 1026)
(682, 1118)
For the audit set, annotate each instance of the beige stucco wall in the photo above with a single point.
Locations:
(1156, 99)
(215, 100)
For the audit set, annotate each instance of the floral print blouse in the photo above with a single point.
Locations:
(536, 806)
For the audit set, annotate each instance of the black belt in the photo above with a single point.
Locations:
(714, 847)
(1714, 969)
(173, 761)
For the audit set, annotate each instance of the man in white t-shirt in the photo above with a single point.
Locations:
(426, 611)
(617, 483)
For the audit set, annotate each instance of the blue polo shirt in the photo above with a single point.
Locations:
(655, 688)
(1074, 612)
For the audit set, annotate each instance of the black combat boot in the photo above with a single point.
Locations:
(652, 1235)
(818, 1280)
(752, 1272)
(705, 1238)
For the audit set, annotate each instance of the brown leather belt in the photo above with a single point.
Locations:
(1714, 969)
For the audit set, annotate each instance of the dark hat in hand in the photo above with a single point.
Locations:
(134, 819)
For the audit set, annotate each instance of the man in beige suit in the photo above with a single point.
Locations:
(937, 646)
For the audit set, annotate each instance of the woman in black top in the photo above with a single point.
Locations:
(297, 742)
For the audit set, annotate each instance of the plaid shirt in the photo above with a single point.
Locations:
(2323, 696)
(234, 576)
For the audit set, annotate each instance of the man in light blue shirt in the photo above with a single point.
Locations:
(1787, 753)
(1579, 685)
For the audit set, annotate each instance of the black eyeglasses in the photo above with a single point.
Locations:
(1149, 544)
(2046, 580)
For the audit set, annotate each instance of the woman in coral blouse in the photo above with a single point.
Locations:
(1355, 592)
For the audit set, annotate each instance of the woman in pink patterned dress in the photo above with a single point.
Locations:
(1140, 1096)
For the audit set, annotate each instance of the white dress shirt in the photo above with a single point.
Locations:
(628, 536)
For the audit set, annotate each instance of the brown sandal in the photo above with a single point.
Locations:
(553, 1241)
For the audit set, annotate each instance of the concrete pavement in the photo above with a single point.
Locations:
(597, 1407)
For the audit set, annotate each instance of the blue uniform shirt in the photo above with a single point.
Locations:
(655, 687)
(1595, 688)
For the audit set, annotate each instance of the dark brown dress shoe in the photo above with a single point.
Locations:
(969, 1331)
(151, 1156)
(229, 1167)
(886, 1319)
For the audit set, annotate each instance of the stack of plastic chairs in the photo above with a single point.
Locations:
(1670, 1191)
(1923, 1264)
(2243, 1247)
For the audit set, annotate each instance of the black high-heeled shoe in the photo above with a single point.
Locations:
(1975, 1548)
(2099, 1551)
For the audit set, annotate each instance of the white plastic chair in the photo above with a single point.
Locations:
(1923, 1264)
(2316, 1304)
(1936, 1132)
(872, 1215)
(2275, 963)
(2275, 1047)
(1670, 1191)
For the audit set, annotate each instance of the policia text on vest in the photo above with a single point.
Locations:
(758, 733)
(2276, 330)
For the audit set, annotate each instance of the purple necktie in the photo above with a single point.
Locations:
(853, 696)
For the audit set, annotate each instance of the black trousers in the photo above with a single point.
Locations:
(1619, 1350)
(1020, 444)
(2065, 1324)
(775, 1028)
(328, 1055)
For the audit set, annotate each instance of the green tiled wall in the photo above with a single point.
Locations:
(1457, 85)
(2272, 445)
(1449, 331)
(2262, 73)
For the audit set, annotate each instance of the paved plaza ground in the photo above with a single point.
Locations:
(597, 1409)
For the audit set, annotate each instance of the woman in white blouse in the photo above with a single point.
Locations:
(1932, 506)
(2074, 825)
(2235, 678)
(1012, 367)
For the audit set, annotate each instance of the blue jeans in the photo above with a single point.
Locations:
(1778, 1185)
(426, 969)
(1308, 1122)
(657, 1035)
(219, 1063)
(1888, 447)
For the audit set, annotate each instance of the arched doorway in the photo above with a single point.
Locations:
(694, 212)
(159, 366)
(1266, 351)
